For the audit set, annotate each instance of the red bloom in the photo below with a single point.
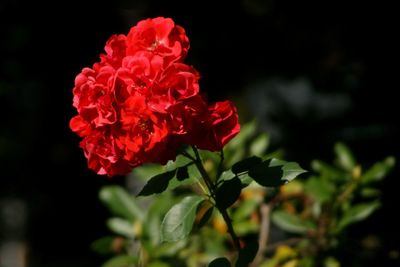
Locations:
(210, 127)
(140, 102)
(115, 51)
(187, 118)
(222, 124)
(160, 36)
(176, 84)
(146, 133)
(137, 74)
(93, 95)
(103, 154)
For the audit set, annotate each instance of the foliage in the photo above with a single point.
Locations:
(217, 209)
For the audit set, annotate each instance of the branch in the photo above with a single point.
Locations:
(265, 211)
(211, 188)
(220, 165)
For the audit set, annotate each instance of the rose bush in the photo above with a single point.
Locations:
(140, 102)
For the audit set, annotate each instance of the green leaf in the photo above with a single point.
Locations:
(345, 158)
(220, 262)
(275, 172)
(291, 223)
(227, 175)
(169, 249)
(180, 161)
(121, 227)
(228, 193)
(157, 184)
(369, 192)
(274, 162)
(120, 203)
(182, 173)
(158, 264)
(174, 183)
(178, 221)
(103, 245)
(121, 261)
(246, 164)
(152, 225)
(291, 170)
(207, 155)
(206, 217)
(245, 179)
(267, 176)
(357, 213)
(378, 171)
(329, 172)
(247, 254)
(320, 189)
(193, 178)
(277, 154)
(194, 172)
(259, 145)
(147, 170)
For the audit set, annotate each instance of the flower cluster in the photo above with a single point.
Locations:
(140, 103)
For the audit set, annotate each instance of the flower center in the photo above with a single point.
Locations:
(154, 45)
(145, 125)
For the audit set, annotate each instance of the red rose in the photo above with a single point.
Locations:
(137, 74)
(115, 51)
(187, 118)
(80, 126)
(103, 154)
(160, 36)
(140, 102)
(93, 95)
(177, 83)
(214, 127)
(146, 133)
(222, 123)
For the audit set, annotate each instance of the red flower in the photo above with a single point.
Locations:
(137, 74)
(212, 127)
(222, 124)
(160, 36)
(115, 51)
(103, 154)
(80, 126)
(187, 118)
(176, 84)
(140, 102)
(146, 133)
(93, 95)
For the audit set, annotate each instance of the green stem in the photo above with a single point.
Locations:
(211, 188)
(231, 231)
(194, 161)
(184, 153)
(347, 192)
(221, 165)
(203, 172)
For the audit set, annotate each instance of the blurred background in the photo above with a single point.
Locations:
(312, 73)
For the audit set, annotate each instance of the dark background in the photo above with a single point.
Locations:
(341, 52)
